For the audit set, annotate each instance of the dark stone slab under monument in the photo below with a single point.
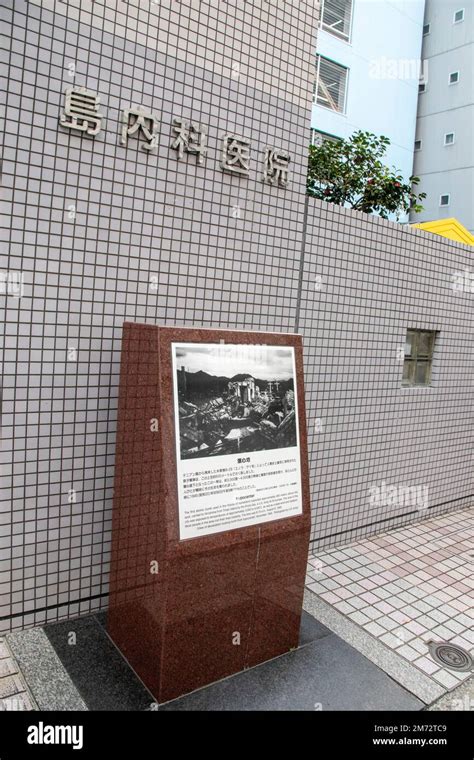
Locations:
(103, 678)
(322, 670)
(97, 669)
(326, 674)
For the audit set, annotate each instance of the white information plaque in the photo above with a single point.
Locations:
(237, 438)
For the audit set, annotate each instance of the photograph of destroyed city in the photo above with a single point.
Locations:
(237, 398)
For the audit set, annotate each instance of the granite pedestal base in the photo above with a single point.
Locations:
(189, 612)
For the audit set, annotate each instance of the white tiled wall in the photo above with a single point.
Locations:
(154, 239)
(224, 251)
(365, 281)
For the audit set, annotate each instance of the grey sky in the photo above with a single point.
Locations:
(262, 362)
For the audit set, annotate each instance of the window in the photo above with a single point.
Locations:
(426, 29)
(417, 144)
(444, 200)
(458, 16)
(454, 77)
(419, 347)
(422, 87)
(449, 138)
(336, 17)
(331, 83)
(318, 137)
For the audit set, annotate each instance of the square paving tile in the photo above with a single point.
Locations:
(415, 586)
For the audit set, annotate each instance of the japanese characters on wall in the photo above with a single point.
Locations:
(81, 113)
(237, 438)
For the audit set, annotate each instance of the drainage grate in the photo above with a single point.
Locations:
(450, 656)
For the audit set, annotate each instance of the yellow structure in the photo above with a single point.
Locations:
(448, 228)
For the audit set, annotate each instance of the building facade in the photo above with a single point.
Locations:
(444, 146)
(107, 219)
(113, 221)
(367, 73)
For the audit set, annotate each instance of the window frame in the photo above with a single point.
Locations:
(319, 58)
(415, 359)
(415, 149)
(456, 81)
(327, 135)
(444, 195)
(421, 88)
(330, 30)
(446, 143)
(428, 25)
(459, 20)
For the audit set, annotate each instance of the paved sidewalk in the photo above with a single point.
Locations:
(461, 698)
(403, 589)
(14, 693)
(374, 606)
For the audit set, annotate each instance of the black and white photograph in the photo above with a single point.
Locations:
(234, 398)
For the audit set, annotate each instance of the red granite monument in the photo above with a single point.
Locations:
(211, 517)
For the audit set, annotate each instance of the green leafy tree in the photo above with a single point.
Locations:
(350, 173)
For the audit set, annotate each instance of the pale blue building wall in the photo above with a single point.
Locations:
(382, 90)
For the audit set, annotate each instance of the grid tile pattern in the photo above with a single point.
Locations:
(406, 588)
(164, 241)
(154, 239)
(364, 283)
